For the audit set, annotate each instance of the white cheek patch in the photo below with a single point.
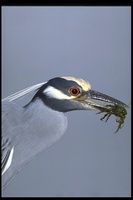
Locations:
(55, 93)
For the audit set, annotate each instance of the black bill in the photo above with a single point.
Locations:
(103, 97)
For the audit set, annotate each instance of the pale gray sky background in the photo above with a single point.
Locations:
(93, 43)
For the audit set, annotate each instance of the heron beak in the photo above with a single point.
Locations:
(94, 95)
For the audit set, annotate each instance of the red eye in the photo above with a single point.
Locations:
(74, 91)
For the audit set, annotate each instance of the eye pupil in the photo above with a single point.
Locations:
(74, 91)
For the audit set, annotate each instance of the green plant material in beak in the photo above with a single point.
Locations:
(118, 110)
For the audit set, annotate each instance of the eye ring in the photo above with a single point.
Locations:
(74, 91)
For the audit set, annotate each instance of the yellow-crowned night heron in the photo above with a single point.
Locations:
(30, 129)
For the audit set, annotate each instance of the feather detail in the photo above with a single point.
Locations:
(23, 92)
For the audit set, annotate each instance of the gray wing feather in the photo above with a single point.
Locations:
(6, 152)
